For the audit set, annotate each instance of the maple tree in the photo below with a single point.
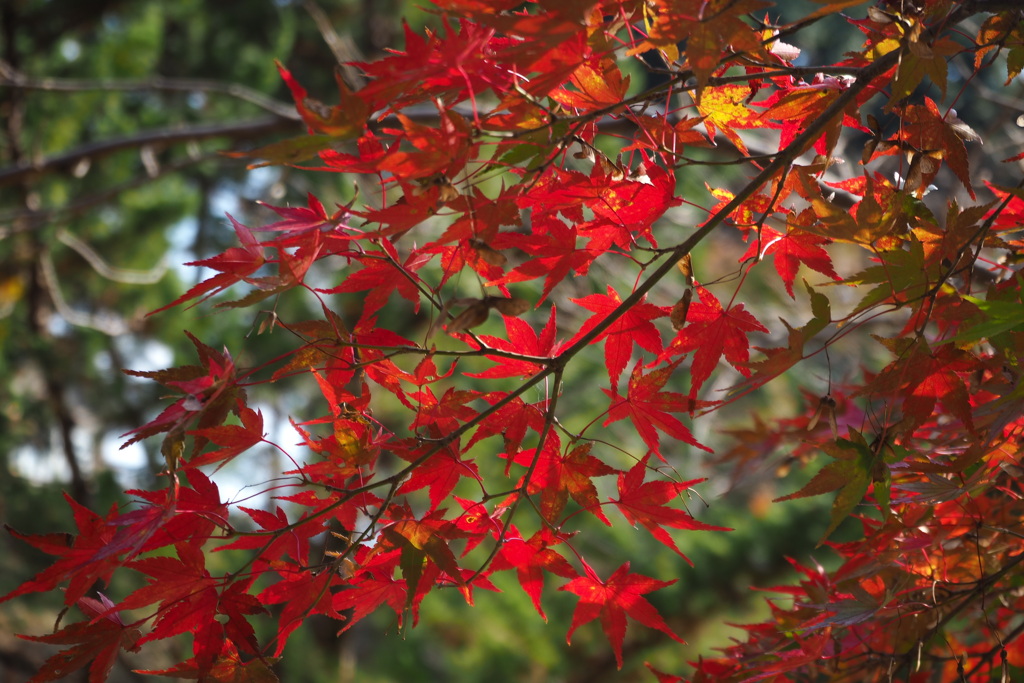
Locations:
(442, 455)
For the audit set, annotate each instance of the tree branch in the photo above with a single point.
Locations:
(30, 219)
(27, 171)
(12, 78)
(343, 48)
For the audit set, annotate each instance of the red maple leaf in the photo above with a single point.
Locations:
(478, 522)
(599, 84)
(658, 133)
(174, 515)
(454, 258)
(303, 594)
(531, 558)
(425, 552)
(634, 325)
(209, 391)
(795, 107)
(445, 413)
(181, 586)
(439, 474)
(443, 150)
(299, 220)
(82, 558)
(521, 339)
(648, 407)
(645, 503)
(382, 275)
(192, 600)
(572, 474)
(95, 643)
(626, 207)
(234, 265)
(417, 204)
(374, 584)
(510, 421)
(1010, 217)
(556, 477)
(452, 66)
(481, 217)
(708, 32)
(235, 439)
(925, 377)
(562, 191)
(553, 243)
(279, 539)
(790, 250)
(372, 342)
(226, 667)
(712, 331)
(940, 136)
(345, 120)
(612, 601)
(371, 151)
(662, 676)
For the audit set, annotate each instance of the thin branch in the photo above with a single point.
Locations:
(343, 48)
(26, 171)
(14, 106)
(244, 130)
(29, 219)
(11, 78)
(128, 276)
(108, 324)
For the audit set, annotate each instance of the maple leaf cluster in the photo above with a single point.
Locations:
(512, 188)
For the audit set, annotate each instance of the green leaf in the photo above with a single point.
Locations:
(1001, 316)
(851, 475)
(290, 151)
(902, 277)
(822, 311)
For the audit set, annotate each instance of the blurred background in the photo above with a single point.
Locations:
(114, 115)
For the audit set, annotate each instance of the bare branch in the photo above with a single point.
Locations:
(104, 269)
(12, 78)
(30, 219)
(343, 48)
(26, 171)
(108, 323)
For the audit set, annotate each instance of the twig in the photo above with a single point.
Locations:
(29, 219)
(28, 170)
(343, 48)
(11, 78)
